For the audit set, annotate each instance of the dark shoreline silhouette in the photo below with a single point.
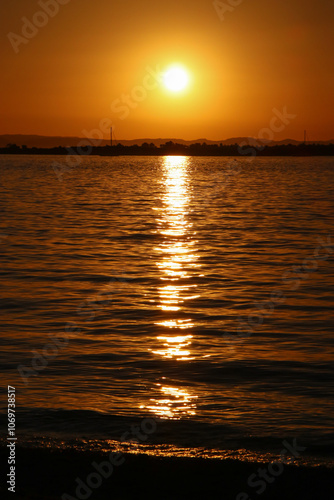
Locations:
(171, 148)
(157, 478)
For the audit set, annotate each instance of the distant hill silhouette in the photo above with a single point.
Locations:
(40, 141)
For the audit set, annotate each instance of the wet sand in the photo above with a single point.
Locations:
(49, 474)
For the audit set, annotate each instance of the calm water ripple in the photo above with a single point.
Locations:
(195, 290)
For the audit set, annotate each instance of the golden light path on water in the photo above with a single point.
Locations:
(177, 257)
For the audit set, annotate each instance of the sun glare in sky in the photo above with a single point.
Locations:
(167, 72)
(176, 78)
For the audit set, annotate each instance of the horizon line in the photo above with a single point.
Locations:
(163, 138)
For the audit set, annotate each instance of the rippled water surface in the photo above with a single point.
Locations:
(195, 290)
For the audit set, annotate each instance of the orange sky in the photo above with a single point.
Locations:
(75, 70)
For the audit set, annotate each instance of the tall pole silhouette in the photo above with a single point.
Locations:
(111, 136)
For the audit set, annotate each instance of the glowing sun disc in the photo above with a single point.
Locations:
(175, 79)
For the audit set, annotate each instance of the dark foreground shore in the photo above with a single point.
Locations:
(48, 475)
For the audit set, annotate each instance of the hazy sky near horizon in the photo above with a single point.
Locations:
(89, 61)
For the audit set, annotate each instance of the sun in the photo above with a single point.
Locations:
(176, 78)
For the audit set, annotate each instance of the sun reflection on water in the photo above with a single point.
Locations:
(177, 252)
(177, 263)
(175, 347)
(172, 403)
